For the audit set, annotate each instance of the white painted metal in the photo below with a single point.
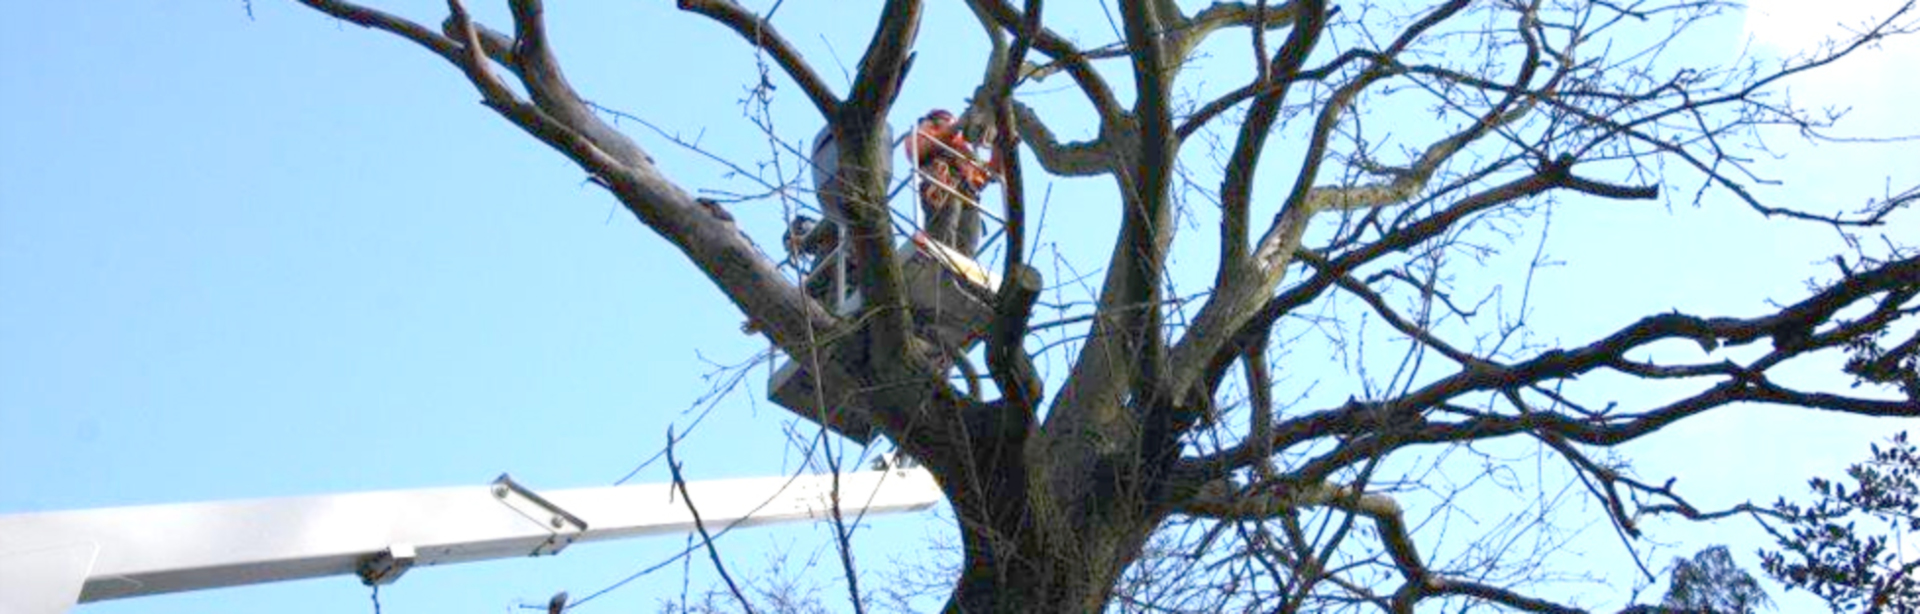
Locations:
(944, 288)
(43, 578)
(165, 548)
(826, 166)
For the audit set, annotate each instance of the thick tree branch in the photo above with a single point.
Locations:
(1186, 34)
(1060, 49)
(762, 34)
(1260, 397)
(910, 402)
(1789, 328)
(1229, 14)
(540, 73)
(885, 63)
(1236, 189)
(859, 131)
(1062, 159)
(1007, 358)
(1436, 586)
(1221, 500)
(1050, 517)
(1262, 321)
(1013, 370)
(1006, 142)
(749, 279)
(1233, 304)
(1146, 217)
(379, 20)
(997, 80)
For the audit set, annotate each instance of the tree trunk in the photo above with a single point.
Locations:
(1044, 531)
(1031, 573)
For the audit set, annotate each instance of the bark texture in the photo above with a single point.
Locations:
(1060, 494)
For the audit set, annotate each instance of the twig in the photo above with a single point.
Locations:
(681, 485)
(759, 31)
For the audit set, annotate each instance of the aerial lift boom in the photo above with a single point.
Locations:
(49, 561)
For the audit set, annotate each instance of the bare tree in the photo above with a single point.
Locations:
(1154, 475)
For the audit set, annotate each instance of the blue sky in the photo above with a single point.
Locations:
(282, 255)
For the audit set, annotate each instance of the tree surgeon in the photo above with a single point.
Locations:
(951, 179)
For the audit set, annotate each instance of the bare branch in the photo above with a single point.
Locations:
(1443, 586)
(1221, 500)
(1012, 368)
(1411, 329)
(884, 65)
(741, 270)
(1260, 395)
(1233, 304)
(1186, 34)
(1060, 49)
(1236, 189)
(763, 35)
(392, 24)
(1145, 217)
(1007, 359)
(1791, 330)
(1063, 159)
(859, 129)
(1051, 514)
(1006, 143)
(1228, 14)
(680, 484)
(540, 72)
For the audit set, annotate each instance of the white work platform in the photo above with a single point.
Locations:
(950, 296)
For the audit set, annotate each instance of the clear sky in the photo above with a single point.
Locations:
(283, 255)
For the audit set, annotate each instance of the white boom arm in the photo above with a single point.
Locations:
(53, 560)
